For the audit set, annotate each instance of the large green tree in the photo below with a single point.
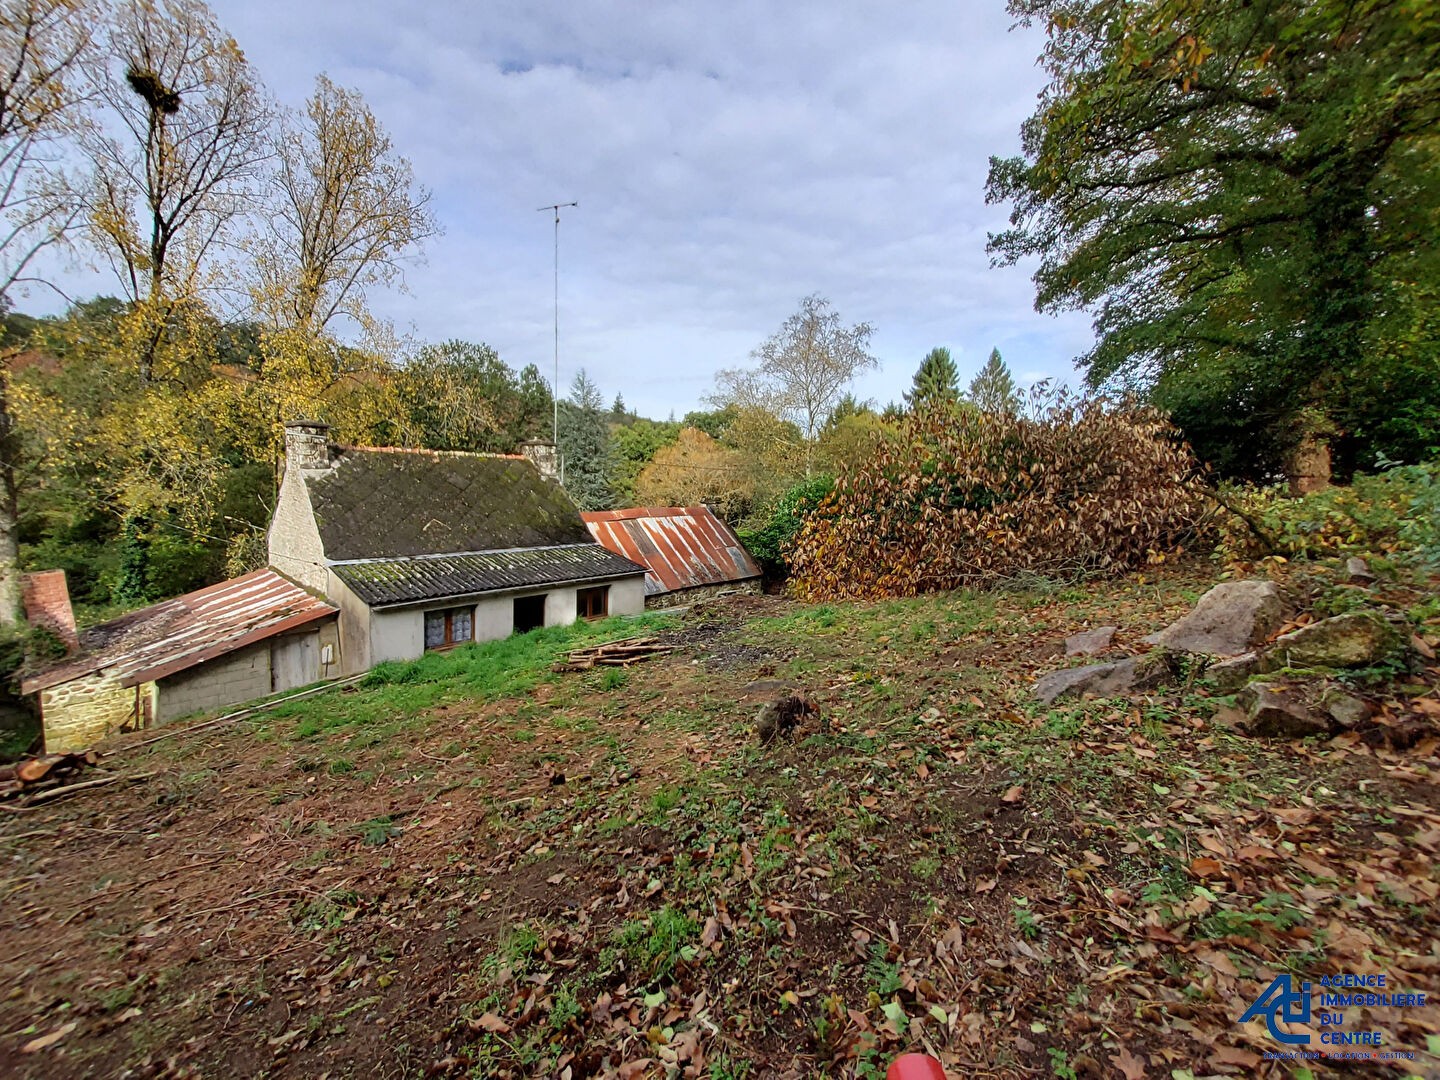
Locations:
(459, 395)
(1245, 193)
(993, 388)
(585, 450)
(936, 381)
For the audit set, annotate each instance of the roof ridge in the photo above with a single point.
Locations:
(463, 554)
(353, 448)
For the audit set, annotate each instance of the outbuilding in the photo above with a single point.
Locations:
(241, 639)
(688, 553)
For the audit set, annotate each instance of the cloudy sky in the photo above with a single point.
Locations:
(728, 159)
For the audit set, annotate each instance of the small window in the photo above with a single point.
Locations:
(593, 603)
(529, 613)
(446, 628)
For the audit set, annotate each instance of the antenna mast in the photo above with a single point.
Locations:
(556, 208)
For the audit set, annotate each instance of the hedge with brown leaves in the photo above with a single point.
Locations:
(1072, 486)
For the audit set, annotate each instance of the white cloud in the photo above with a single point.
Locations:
(728, 159)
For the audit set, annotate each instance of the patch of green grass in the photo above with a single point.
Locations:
(328, 912)
(378, 831)
(663, 801)
(653, 947)
(925, 867)
(614, 678)
(400, 692)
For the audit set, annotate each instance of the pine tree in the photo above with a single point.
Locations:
(585, 446)
(937, 381)
(993, 389)
(617, 411)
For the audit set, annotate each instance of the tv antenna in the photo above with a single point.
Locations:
(556, 208)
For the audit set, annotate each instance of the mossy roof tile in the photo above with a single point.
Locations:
(384, 504)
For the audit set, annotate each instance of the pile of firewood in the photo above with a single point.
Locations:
(47, 771)
(613, 654)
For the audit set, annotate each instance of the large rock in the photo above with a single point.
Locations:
(1359, 571)
(1345, 709)
(1280, 712)
(1230, 619)
(1358, 639)
(1230, 675)
(1090, 642)
(1071, 682)
(1146, 672)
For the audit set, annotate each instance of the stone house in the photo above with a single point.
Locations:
(227, 643)
(424, 549)
(688, 553)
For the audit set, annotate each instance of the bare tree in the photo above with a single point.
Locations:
(42, 94)
(350, 210)
(803, 368)
(42, 46)
(179, 160)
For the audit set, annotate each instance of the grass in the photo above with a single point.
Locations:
(393, 695)
(608, 865)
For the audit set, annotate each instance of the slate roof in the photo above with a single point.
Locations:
(382, 503)
(681, 546)
(184, 631)
(379, 582)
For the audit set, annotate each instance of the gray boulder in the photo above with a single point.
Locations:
(1359, 571)
(1346, 710)
(1071, 682)
(1357, 639)
(1279, 712)
(1146, 672)
(1230, 619)
(1230, 675)
(1090, 642)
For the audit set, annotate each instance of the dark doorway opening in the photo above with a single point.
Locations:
(529, 613)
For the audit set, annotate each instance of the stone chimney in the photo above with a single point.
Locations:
(543, 456)
(307, 444)
(47, 604)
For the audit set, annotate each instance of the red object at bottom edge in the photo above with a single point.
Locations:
(915, 1067)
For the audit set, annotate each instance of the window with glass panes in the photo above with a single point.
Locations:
(592, 603)
(449, 627)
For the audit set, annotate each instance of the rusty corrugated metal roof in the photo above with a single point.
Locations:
(681, 546)
(179, 633)
(433, 577)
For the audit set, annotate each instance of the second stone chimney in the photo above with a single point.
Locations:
(307, 444)
(543, 456)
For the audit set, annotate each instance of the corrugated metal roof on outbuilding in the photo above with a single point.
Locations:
(681, 546)
(379, 582)
(177, 634)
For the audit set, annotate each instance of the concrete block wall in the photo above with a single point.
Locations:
(79, 713)
(225, 681)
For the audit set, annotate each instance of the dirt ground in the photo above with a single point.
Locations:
(450, 872)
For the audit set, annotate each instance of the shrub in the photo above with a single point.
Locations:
(1393, 513)
(962, 497)
(771, 540)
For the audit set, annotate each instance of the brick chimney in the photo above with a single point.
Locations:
(47, 604)
(307, 444)
(543, 456)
